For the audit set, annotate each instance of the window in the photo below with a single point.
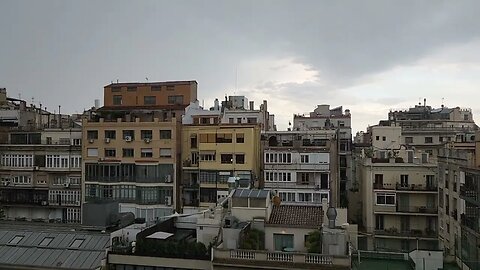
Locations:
(384, 138)
(387, 199)
(230, 120)
(226, 158)
(149, 100)
(131, 88)
(287, 196)
(379, 222)
(146, 152)
(92, 152)
(128, 152)
(110, 152)
(170, 87)
(207, 157)
(146, 134)
(16, 239)
(175, 99)
(117, 100)
(283, 242)
(428, 139)
(110, 134)
(49, 140)
(207, 138)
(240, 158)
(239, 120)
(324, 181)
(251, 120)
(17, 160)
(156, 88)
(224, 138)
(304, 159)
(77, 243)
(165, 152)
(92, 134)
(408, 140)
(116, 88)
(404, 180)
(304, 178)
(377, 138)
(165, 134)
(77, 142)
(46, 241)
(129, 134)
(240, 138)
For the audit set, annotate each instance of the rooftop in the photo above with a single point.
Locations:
(35, 247)
(301, 216)
(151, 83)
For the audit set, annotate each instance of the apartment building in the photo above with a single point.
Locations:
(429, 129)
(301, 166)
(213, 152)
(339, 120)
(399, 201)
(238, 110)
(451, 163)
(131, 151)
(40, 173)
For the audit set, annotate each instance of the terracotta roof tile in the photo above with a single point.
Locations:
(303, 216)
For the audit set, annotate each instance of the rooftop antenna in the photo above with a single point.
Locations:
(443, 100)
(19, 96)
(146, 78)
(236, 80)
(117, 80)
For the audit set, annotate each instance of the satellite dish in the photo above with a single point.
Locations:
(276, 200)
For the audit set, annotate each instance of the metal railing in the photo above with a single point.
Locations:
(280, 257)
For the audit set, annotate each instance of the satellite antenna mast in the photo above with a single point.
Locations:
(236, 80)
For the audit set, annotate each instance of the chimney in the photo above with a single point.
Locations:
(424, 102)
(216, 105)
(331, 215)
(252, 106)
(97, 103)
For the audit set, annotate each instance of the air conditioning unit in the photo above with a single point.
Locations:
(36, 168)
(168, 200)
(168, 179)
(147, 140)
(6, 183)
(77, 203)
(107, 140)
(91, 140)
(128, 138)
(44, 203)
(67, 185)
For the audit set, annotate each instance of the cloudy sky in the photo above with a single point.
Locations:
(369, 56)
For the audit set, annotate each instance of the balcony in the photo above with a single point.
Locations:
(416, 187)
(412, 233)
(417, 209)
(470, 193)
(278, 260)
(470, 222)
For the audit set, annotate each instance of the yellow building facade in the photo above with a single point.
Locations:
(213, 153)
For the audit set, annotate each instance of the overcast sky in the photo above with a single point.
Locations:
(369, 56)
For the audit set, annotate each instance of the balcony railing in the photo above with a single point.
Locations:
(470, 222)
(416, 187)
(470, 192)
(413, 233)
(417, 209)
(287, 259)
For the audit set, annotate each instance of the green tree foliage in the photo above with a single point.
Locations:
(314, 242)
(254, 240)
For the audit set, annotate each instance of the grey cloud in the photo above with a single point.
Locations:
(63, 52)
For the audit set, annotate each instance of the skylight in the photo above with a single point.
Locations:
(77, 243)
(16, 239)
(46, 241)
